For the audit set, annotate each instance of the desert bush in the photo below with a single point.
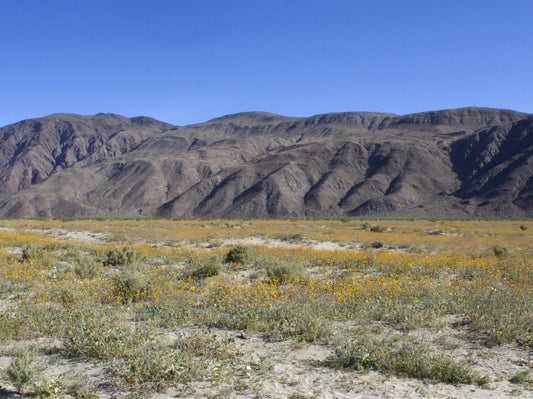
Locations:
(209, 269)
(24, 370)
(491, 314)
(167, 313)
(300, 318)
(523, 227)
(366, 262)
(52, 246)
(130, 285)
(70, 295)
(282, 272)
(304, 328)
(520, 377)
(87, 267)
(33, 252)
(289, 237)
(8, 287)
(401, 356)
(377, 228)
(205, 344)
(52, 388)
(116, 257)
(153, 367)
(72, 253)
(12, 326)
(98, 334)
(500, 250)
(42, 320)
(79, 387)
(239, 254)
(157, 367)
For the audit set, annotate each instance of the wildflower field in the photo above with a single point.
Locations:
(265, 308)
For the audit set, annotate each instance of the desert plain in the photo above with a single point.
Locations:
(264, 308)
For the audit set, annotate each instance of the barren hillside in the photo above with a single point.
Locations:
(469, 162)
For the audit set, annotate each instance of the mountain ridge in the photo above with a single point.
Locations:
(464, 162)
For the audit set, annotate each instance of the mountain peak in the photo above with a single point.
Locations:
(249, 116)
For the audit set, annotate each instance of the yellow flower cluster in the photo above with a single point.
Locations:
(421, 270)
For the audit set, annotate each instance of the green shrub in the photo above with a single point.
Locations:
(519, 378)
(366, 226)
(239, 254)
(377, 229)
(157, 367)
(24, 371)
(116, 257)
(205, 344)
(33, 252)
(52, 246)
(72, 253)
(212, 268)
(306, 328)
(491, 314)
(12, 326)
(401, 356)
(289, 237)
(523, 227)
(130, 285)
(167, 313)
(500, 250)
(49, 389)
(279, 273)
(70, 295)
(78, 387)
(96, 334)
(87, 267)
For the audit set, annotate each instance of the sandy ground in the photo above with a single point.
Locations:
(83, 236)
(101, 238)
(291, 369)
(272, 242)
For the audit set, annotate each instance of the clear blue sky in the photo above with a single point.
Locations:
(189, 61)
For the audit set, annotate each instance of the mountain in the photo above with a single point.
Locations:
(467, 162)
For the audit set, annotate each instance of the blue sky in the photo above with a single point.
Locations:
(189, 61)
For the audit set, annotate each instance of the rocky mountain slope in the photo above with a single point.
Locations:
(469, 162)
